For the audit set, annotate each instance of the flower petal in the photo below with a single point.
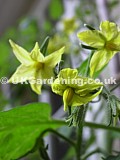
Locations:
(116, 42)
(36, 87)
(47, 72)
(58, 87)
(88, 86)
(92, 38)
(54, 58)
(69, 77)
(67, 97)
(99, 60)
(79, 100)
(22, 55)
(68, 73)
(22, 74)
(37, 82)
(35, 54)
(109, 30)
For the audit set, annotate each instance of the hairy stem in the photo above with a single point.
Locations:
(98, 150)
(80, 133)
(80, 127)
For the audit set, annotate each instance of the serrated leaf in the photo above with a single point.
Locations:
(21, 127)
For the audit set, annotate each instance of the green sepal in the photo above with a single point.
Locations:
(88, 47)
(89, 27)
(76, 116)
(58, 68)
(44, 45)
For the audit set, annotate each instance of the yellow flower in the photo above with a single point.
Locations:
(106, 41)
(76, 90)
(34, 66)
(70, 25)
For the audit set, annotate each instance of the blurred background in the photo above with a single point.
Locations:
(28, 21)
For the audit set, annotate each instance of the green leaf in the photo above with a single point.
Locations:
(70, 154)
(83, 67)
(21, 127)
(55, 9)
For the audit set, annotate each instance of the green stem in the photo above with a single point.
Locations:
(101, 126)
(79, 133)
(59, 135)
(42, 150)
(113, 88)
(93, 152)
(80, 127)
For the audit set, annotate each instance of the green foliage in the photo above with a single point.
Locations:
(55, 9)
(70, 154)
(112, 157)
(20, 128)
(83, 66)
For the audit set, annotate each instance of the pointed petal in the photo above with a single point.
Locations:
(88, 86)
(116, 42)
(22, 55)
(22, 74)
(109, 30)
(79, 100)
(35, 54)
(36, 83)
(36, 87)
(54, 58)
(99, 60)
(92, 38)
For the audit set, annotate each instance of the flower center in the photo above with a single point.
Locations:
(111, 46)
(39, 65)
(67, 97)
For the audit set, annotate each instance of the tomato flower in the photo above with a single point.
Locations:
(34, 65)
(106, 41)
(76, 90)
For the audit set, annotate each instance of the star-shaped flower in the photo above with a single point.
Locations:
(34, 66)
(76, 90)
(106, 41)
